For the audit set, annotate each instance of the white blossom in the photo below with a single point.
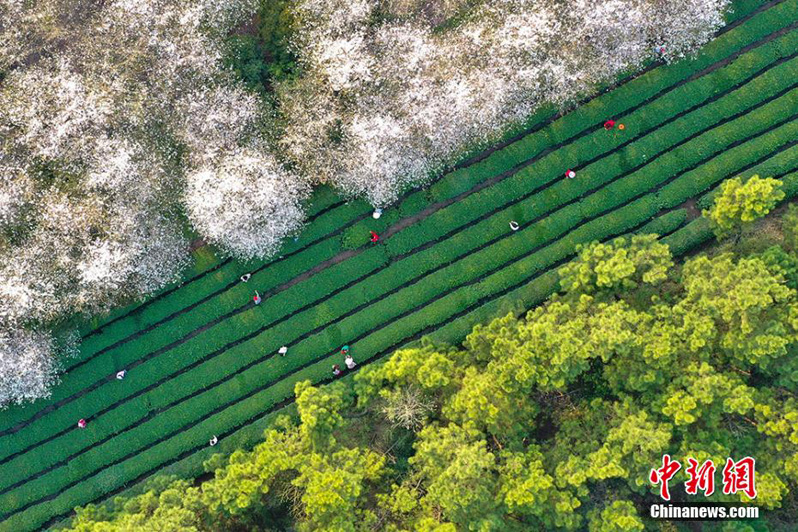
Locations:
(244, 203)
(27, 368)
(216, 119)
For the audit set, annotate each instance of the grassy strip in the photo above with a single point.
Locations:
(666, 223)
(468, 243)
(775, 167)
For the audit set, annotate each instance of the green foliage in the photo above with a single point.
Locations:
(459, 470)
(245, 56)
(790, 227)
(741, 203)
(780, 261)
(409, 382)
(319, 411)
(620, 516)
(261, 56)
(333, 487)
(276, 25)
(617, 265)
(354, 237)
(528, 490)
(743, 306)
(166, 503)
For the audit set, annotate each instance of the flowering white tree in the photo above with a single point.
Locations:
(27, 367)
(245, 203)
(213, 120)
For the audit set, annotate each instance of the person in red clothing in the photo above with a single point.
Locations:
(609, 124)
(82, 424)
(256, 298)
(570, 174)
(374, 237)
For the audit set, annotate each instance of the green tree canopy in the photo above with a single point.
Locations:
(739, 203)
(622, 264)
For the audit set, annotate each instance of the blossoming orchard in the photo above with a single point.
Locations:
(543, 248)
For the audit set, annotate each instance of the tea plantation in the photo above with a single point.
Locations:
(201, 357)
